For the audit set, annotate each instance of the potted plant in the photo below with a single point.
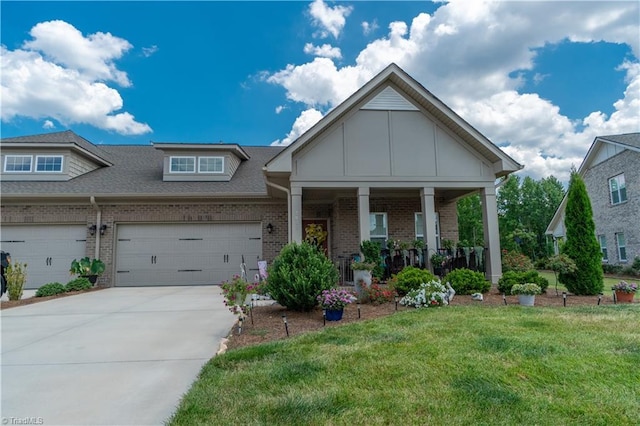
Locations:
(625, 291)
(526, 293)
(362, 278)
(333, 302)
(88, 268)
(437, 261)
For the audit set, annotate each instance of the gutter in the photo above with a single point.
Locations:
(98, 224)
(502, 182)
(288, 192)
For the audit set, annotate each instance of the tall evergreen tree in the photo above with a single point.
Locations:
(581, 245)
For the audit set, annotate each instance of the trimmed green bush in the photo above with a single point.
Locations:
(612, 269)
(50, 289)
(514, 261)
(466, 281)
(410, 278)
(510, 278)
(299, 274)
(78, 284)
(582, 245)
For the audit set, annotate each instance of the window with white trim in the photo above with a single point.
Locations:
(378, 229)
(49, 163)
(622, 247)
(210, 164)
(17, 163)
(618, 189)
(183, 164)
(420, 228)
(603, 247)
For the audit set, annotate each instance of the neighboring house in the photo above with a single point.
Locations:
(390, 162)
(611, 172)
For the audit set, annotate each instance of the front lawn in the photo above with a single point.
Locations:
(457, 365)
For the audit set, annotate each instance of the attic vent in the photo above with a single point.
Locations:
(389, 99)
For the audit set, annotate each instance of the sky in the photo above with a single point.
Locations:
(540, 79)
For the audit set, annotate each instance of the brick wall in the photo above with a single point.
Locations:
(112, 214)
(625, 217)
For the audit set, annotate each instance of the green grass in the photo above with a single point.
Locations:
(609, 281)
(460, 365)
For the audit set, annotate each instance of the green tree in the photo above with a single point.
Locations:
(470, 226)
(581, 245)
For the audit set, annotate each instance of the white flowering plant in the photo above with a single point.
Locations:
(428, 295)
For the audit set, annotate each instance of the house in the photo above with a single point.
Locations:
(388, 163)
(611, 172)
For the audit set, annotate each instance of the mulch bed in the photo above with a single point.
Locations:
(7, 304)
(268, 324)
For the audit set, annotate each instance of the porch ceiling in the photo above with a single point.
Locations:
(330, 195)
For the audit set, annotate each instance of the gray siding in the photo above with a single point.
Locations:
(78, 165)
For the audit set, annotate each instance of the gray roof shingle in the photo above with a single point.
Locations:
(629, 139)
(137, 172)
(65, 137)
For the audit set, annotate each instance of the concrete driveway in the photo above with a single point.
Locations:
(120, 356)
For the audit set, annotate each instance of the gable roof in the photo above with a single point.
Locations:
(503, 163)
(629, 141)
(65, 139)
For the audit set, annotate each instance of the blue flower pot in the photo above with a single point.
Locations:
(334, 314)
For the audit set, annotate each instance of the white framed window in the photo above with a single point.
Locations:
(618, 189)
(622, 247)
(17, 163)
(603, 247)
(210, 164)
(378, 228)
(49, 163)
(182, 164)
(420, 228)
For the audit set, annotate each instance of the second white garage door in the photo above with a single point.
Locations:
(185, 254)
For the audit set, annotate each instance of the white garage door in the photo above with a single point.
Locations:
(185, 254)
(48, 250)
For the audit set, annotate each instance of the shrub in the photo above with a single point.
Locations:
(50, 289)
(298, 275)
(16, 274)
(379, 295)
(410, 278)
(466, 281)
(636, 263)
(511, 278)
(611, 269)
(78, 284)
(514, 261)
(582, 245)
(428, 295)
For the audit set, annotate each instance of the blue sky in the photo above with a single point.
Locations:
(540, 79)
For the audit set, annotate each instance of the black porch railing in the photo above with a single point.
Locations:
(393, 261)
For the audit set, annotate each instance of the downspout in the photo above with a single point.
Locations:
(288, 192)
(98, 224)
(502, 182)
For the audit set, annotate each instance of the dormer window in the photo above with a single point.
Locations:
(17, 163)
(211, 164)
(183, 164)
(49, 163)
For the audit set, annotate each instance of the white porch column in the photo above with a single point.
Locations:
(296, 214)
(493, 262)
(427, 197)
(363, 214)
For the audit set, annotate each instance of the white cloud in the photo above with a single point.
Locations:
(148, 51)
(369, 27)
(93, 55)
(60, 74)
(279, 109)
(304, 122)
(330, 20)
(48, 124)
(325, 51)
(472, 54)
